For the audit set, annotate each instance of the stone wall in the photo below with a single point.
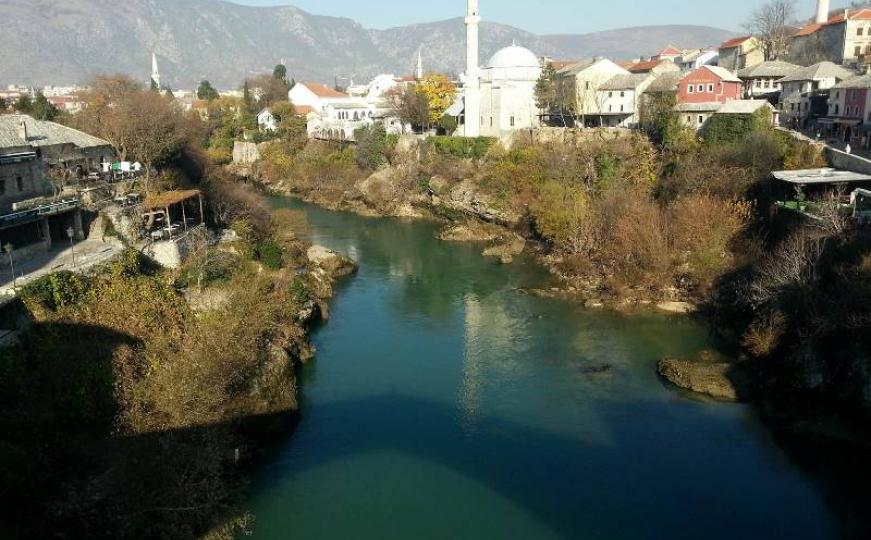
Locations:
(569, 136)
(245, 153)
(848, 162)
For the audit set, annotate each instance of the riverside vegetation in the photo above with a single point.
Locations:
(139, 395)
(658, 217)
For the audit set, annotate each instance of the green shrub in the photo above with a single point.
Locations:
(372, 146)
(270, 254)
(463, 147)
(730, 128)
(54, 291)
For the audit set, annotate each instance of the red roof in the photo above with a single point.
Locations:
(644, 67)
(406, 78)
(671, 51)
(626, 64)
(323, 91)
(857, 15)
(303, 110)
(735, 42)
(561, 64)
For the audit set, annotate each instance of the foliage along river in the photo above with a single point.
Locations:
(445, 404)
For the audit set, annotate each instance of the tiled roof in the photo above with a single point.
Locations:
(853, 15)
(667, 82)
(735, 42)
(577, 67)
(856, 82)
(625, 82)
(41, 133)
(742, 106)
(303, 110)
(722, 73)
(772, 68)
(323, 91)
(642, 67)
(561, 64)
(698, 107)
(823, 70)
(670, 51)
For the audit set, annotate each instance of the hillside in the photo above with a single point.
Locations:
(49, 42)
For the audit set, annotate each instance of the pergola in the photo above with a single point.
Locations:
(163, 202)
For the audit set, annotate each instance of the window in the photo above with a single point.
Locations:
(860, 31)
(701, 88)
(837, 108)
(587, 84)
(610, 108)
(20, 183)
(610, 94)
(491, 121)
(701, 119)
(512, 121)
(858, 50)
(767, 83)
(691, 89)
(622, 108)
(622, 94)
(710, 88)
(689, 119)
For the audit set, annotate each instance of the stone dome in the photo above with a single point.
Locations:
(513, 57)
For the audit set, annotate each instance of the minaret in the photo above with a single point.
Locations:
(822, 11)
(155, 73)
(418, 73)
(473, 77)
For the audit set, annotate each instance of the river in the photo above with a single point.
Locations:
(445, 404)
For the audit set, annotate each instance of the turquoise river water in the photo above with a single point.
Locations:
(443, 403)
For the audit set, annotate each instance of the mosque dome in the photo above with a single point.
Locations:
(514, 57)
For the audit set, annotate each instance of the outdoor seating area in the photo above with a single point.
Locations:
(171, 214)
(810, 192)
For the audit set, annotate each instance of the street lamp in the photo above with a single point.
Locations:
(9, 248)
(71, 233)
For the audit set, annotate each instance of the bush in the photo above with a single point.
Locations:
(270, 254)
(730, 128)
(463, 147)
(54, 291)
(763, 337)
(372, 146)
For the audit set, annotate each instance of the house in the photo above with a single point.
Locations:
(848, 111)
(581, 81)
(29, 151)
(746, 107)
(763, 79)
(740, 52)
(709, 84)
(266, 121)
(842, 37)
(696, 58)
(670, 53)
(315, 95)
(804, 94)
(621, 99)
(702, 91)
(655, 67)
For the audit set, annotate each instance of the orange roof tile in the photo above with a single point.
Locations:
(561, 64)
(641, 67)
(670, 51)
(303, 110)
(735, 42)
(323, 91)
(626, 64)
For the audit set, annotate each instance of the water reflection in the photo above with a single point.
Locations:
(447, 405)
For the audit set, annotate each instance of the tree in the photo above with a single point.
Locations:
(269, 90)
(23, 104)
(439, 92)
(43, 109)
(771, 26)
(207, 92)
(410, 106)
(280, 73)
(372, 146)
(546, 91)
(3, 105)
(247, 99)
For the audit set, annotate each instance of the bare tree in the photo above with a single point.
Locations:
(771, 25)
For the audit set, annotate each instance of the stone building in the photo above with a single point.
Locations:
(842, 37)
(740, 52)
(763, 80)
(621, 99)
(30, 217)
(805, 92)
(507, 92)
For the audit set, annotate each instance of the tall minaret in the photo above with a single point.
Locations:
(155, 73)
(418, 72)
(822, 11)
(473, 77)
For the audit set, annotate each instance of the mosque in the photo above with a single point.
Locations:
(500, 97)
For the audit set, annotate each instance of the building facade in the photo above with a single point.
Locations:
(740, 53)
(508, 92)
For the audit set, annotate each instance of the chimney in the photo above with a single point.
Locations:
(822, 11)
(22, 131)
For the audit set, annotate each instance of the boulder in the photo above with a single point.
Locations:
(682, 308)
(469, 232)
(720, 380)
(333, 264)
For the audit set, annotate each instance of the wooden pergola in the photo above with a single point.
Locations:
(163, 201)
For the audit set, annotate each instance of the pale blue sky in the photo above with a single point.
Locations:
(545, 16)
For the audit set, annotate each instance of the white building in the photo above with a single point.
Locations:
(799, 89)
(697, 58)
(315, 95)
(583, 80)
(508, 92)
(266, 121)
(620, 99)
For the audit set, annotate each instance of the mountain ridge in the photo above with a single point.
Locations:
(54, 43)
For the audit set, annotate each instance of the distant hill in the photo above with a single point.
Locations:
(48, 41)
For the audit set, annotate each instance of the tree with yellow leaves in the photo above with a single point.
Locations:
(439, 92)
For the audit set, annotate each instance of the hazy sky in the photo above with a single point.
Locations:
(545, 16)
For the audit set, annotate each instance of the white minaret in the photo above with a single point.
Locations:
(155, 73)
(822, 11)
(418, 73)
(473, 77)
